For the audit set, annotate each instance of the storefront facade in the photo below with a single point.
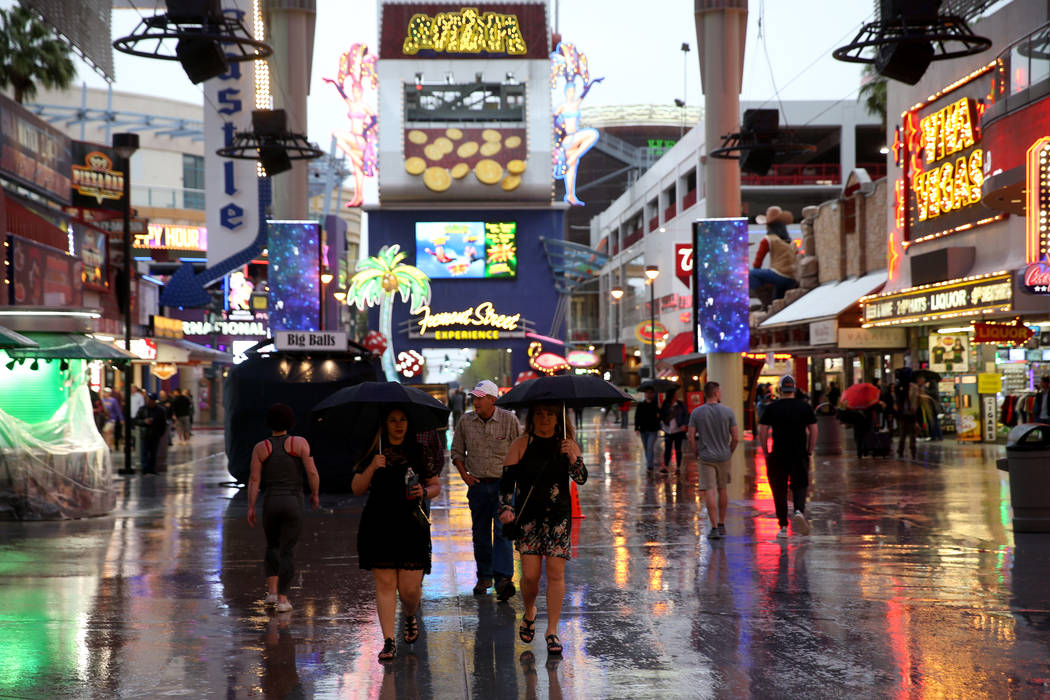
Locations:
(966, 246)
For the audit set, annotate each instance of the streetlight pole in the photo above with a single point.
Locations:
(125, 146)
(326, 279)
(617, 294)
(652, 272)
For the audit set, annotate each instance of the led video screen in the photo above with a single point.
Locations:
(467, 249)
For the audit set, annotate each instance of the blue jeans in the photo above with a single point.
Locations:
(649, 445)
(492, 551)
(757, 276)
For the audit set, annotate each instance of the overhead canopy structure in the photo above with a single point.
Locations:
(10, 339)
(827, 301)
(69, 346)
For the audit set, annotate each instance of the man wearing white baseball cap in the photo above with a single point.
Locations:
(479, 446)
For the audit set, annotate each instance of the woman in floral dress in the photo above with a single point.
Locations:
(535, 495)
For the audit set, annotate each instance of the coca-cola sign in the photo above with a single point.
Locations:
(1036, 278)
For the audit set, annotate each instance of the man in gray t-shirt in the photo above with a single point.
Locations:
(713, 436)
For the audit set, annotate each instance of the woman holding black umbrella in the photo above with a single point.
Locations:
(393, 539)
(535, 497)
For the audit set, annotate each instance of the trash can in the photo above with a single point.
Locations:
(1028, 463)
(829, 432)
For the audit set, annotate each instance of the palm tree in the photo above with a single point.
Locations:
(873, 92)
(31, 54)
(377, 281)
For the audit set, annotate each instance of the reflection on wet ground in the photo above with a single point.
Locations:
(911, 585)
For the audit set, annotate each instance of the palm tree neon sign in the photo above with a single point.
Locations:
(377, 281)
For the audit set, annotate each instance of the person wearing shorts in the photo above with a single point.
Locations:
(713, 436)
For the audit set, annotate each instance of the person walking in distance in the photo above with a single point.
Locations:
(1042, 401)
(675, 420)
(905, 406)
(458, 403)
(282, 459)
(794, 427)
(154, 423)
(479, 446)
(180, 409)
(647, 425)
(713, 436)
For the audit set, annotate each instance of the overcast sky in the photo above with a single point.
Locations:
(635, 45)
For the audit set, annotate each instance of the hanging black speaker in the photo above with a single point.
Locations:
(904, 61)
(274, 160)
(202, 59)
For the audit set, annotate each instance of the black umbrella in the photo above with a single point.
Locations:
(357, 409)
(930, 376)
(660, 386)
(574, 390)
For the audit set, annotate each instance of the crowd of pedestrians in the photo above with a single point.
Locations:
(519, 480)
(157, 421)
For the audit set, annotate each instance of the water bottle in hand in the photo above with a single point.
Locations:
(411, 481)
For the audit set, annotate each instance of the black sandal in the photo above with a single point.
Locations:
(389, 649)
(553, 645)
(411, 633)
(527, 631)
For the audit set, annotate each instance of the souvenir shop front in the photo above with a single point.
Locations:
(981, 343)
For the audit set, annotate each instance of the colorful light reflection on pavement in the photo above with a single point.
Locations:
(911, 585)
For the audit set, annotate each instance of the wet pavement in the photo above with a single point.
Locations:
(911, 585)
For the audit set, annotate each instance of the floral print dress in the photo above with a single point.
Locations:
(546, 519)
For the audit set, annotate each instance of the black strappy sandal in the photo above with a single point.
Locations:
(553, 645)
(411, 633)
(389, 649)
(527, 631)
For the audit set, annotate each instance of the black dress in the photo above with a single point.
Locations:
(392, 534)
(546, 519)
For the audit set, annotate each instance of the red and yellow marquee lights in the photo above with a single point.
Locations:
(942, 163)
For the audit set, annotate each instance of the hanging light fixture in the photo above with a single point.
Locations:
(206, 39)
(908, 36)
(270, 143)
(760, 142)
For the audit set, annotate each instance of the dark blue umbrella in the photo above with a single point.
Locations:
(364, 403)
(573, 390)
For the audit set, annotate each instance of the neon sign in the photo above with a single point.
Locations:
(164, 237)
(1015, 333)
(356, 83)
(981, 294)
(483, 316)
(97, 179)
(570, 83)
(1037, 217)
(954, 184)
(943, 161)
(466, 31)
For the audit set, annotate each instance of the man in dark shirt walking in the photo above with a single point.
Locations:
(794, 428)
(647, 425)
(154, 421)
(180, 408)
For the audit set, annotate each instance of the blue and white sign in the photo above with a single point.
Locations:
(231, 185)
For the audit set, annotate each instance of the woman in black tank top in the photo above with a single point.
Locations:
(281, 459)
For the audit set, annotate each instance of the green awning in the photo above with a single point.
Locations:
(10, 339)
(69, 346)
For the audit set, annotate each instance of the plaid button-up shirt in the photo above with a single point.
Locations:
(482, 444)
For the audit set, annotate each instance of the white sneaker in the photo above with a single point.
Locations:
(799, 523)
(271, 599)
(783, 534)
(284, 607)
